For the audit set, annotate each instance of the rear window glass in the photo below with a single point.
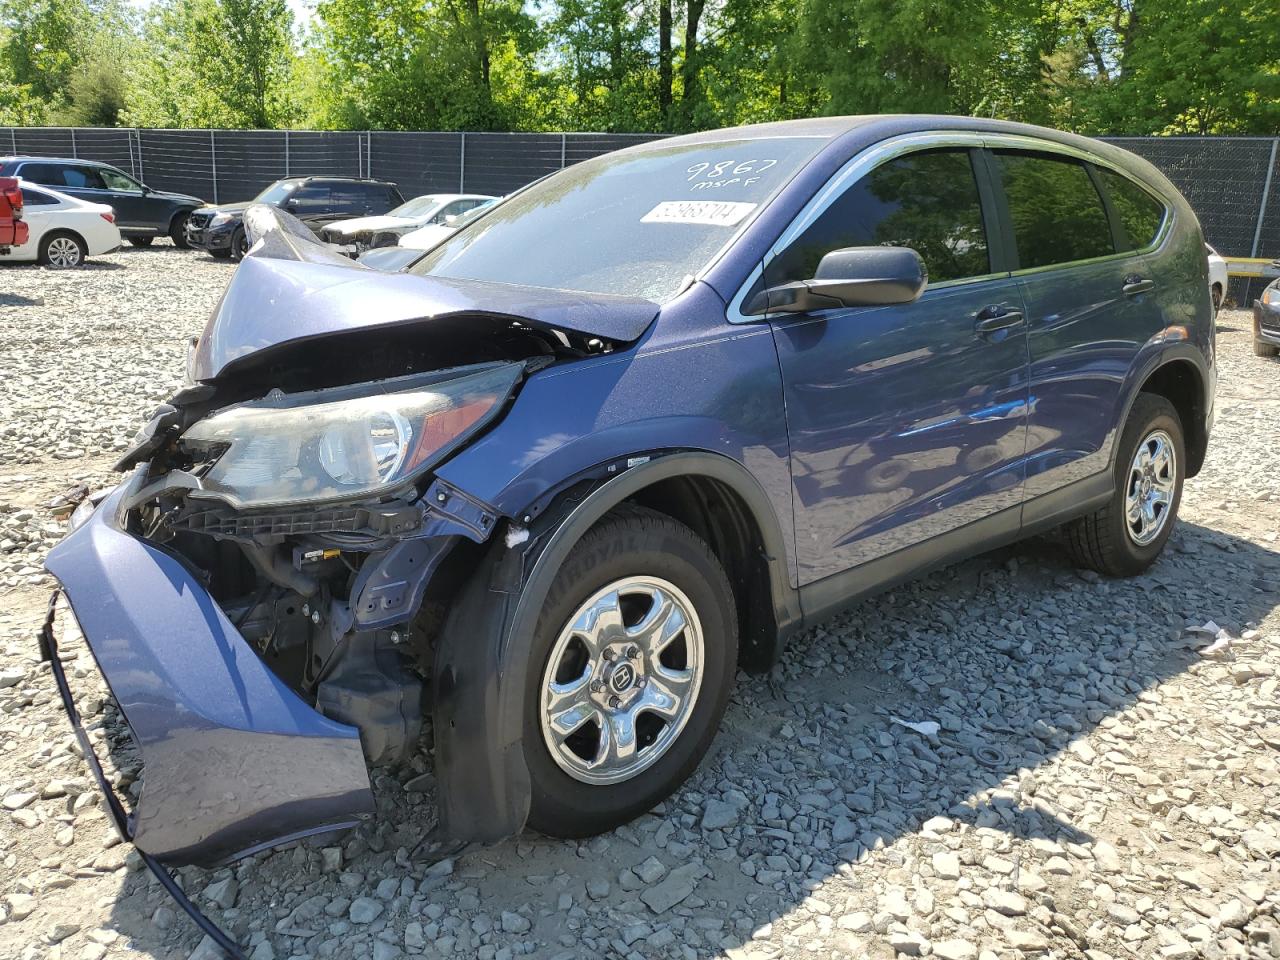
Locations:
(1057, 213)
(636, 224)
(1140, 214)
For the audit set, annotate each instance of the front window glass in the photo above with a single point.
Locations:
(118, 181)
(927, 201)
(276, 192)
(1057, 214)
(636, 224)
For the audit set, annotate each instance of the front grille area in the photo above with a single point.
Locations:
(224, 522)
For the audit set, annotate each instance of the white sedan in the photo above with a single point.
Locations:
(63, 230)
(424, 238)
(357, 235)
(1217, 277)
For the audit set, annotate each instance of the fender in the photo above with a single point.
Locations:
(1159, 352)
(478, 680)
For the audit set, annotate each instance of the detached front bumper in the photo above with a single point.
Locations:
(233, 760)
(211, 238)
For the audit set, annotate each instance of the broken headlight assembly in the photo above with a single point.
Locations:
(343, 442)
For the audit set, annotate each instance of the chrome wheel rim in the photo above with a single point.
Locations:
(1153, 475)
(63, 252)
(622, 680)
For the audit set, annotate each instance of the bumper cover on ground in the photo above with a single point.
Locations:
(233, 760)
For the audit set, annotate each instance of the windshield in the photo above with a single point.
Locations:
(276, 192)
(417, 207)
(636, 224)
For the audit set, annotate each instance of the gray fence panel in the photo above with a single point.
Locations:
(110, 146)
(417, 163)
(338, 153)
(248, 161)
(584, 146)
(497, 163)
(179, 160)
(40, 141)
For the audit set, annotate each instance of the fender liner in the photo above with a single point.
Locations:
(478, 683)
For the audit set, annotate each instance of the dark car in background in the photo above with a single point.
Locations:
(629, 430)
(316, 201)
(1266, 320)
(142, 214)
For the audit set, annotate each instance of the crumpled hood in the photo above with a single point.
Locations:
(361, 224)
(292, 288)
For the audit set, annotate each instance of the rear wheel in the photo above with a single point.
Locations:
(1125, 537)
(632, 663)
(178, 231)
(141, 241)
(62, 249)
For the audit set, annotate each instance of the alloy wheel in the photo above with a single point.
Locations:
(63, 252)
(1153, 477)
(622, 680)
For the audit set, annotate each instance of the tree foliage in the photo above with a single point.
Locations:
(1097, 66)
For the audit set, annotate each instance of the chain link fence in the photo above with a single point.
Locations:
(1233, 183)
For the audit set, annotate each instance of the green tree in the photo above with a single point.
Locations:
(214, 63)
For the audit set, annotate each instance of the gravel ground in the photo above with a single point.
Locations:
(1100, 787)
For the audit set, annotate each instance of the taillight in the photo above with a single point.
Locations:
(109, 217)
(11, 193)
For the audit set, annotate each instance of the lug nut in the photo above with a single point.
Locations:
(633, 652)
(614, 703)
(315, 616)
(609, 654)
(596, 686)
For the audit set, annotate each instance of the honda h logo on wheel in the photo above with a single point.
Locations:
(622, 678)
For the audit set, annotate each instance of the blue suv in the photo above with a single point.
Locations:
(627, 430)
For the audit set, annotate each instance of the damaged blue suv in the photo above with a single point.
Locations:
(555, 482)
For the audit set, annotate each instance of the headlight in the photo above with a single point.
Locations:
(1270, 295)
(219, 219)
(340, 443)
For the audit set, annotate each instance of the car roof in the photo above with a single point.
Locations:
(325, 176)
(24, 157)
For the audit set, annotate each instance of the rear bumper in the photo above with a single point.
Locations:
(233, 760)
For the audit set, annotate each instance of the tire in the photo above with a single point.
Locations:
(62, 249)
(178, 231)
(1106, 540)
(140, 241)
(239, 245)
(1216, 295)
(1263, 349)
(630, 546)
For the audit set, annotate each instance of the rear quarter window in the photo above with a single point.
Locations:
(1140, 214)
(1057, 213)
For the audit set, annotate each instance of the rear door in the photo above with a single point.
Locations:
(1090, 308)
(906, 422)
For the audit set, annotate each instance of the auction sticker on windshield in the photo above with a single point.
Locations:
(710, 212)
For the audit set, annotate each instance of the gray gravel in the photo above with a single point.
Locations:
(1097, 788)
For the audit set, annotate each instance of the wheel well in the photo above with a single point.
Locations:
(717, 514)
(1179, 383)
(61, 232)
(178, 215)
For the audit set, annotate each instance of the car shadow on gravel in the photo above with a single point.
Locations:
(1017, 655)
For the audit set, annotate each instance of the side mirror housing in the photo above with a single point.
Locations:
(849, 277)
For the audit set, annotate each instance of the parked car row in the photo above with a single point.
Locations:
(352, 213)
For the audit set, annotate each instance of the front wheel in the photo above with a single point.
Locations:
(1263, 349)
(1125, 536)
(630, 671)
(178, 231)
(239, 244)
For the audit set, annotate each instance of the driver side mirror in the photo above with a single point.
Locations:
(850, 277)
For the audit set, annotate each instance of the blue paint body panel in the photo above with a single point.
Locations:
(233, 760)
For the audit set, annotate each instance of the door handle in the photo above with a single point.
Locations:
(1134, 285)
(997, 318)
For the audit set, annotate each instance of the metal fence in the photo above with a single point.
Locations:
(1233, 183)
(230, 165)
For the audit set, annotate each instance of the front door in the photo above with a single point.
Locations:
(906, 422)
